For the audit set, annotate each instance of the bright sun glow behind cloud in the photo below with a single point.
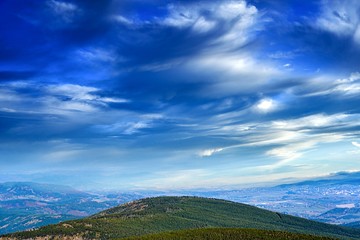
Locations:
(266, 105)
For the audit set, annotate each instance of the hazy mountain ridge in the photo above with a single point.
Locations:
(27, 205)
(310, 199)
(353, 224)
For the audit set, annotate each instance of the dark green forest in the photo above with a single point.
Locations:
(228, 234)
(162, 214)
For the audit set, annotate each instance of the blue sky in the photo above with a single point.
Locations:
(178, 94)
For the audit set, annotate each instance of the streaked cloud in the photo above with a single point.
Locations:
(340, 18)
(65, 10)
(204, 17)
(341, 86)
(188, 93)
(209, 152)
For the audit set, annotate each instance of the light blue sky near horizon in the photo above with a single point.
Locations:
(178, 94)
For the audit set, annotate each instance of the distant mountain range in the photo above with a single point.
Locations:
(163, 214)
(332, 199)
(25, 205)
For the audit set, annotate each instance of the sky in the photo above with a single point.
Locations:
(140, 94)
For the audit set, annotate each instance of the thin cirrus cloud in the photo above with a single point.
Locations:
(65, 10)
(241, 16)
(222, 89)
(340, 19)
(56, 96)
(356, 144)
(346, 87)
(209, 152)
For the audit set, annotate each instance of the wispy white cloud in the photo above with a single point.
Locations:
(241, 19)
(245, 17)
(327, 85)
(74, 91)
(81, 93)
(10, 110)
(298, 147)
(356, 144)
(131, 125)
(58, 99)
(65, 10)
(285, 55)
(316, 121)
(202, 25)
(288, 139)
(341, 18)
(233, 72)
(209, 152)
(123, 20)
(355, 76)
(97, 55)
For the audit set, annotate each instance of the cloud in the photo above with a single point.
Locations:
(63, 9)
(355, 76)
(73, 91)
(123, 20)
(58, 99)
(202, 25)
(285, 54)
(287, 140)
(82, 93)
(341, 18)
(210, 152)
(127, 128)
(356, 144)
(233, 73)
(133, 124)
(298, 147)
(266, 105)
(316, 121)
(235, 20)
(97, 55)
(344, 87)
(347, 86)
(161, 82)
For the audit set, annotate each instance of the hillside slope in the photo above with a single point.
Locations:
(155, 215)
(228, 234)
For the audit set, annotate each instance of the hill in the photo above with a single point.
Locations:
(227, 234)
(160, 214)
